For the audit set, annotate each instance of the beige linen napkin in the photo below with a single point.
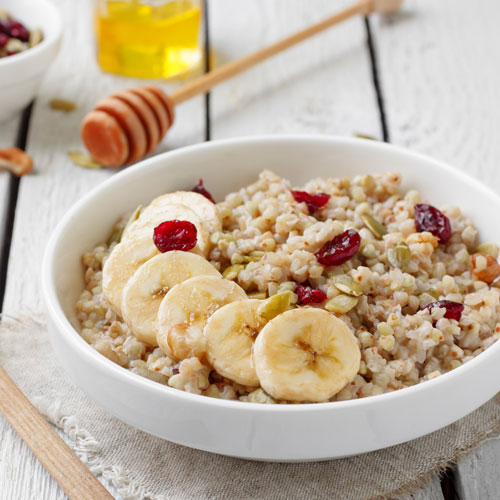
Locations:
(140, 466)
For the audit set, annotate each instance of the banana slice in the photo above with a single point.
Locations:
(185, 310)
(153, 216)
(145, 290)
(121, 264)
(230, 334)
(305, 354)
(207, 212)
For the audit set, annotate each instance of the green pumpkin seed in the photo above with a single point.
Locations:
(488, 249)
(259, 396)
(274, 305)
(399, 255)
(367, 182)
(83, 160)
(287, 286)
(346, 284)
(374, 226)
(231, 272)
(365, 136)
(431, 292)
(117, 234)
(341, 304)
(62, 105)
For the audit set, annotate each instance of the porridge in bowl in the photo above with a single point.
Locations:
(344, 288)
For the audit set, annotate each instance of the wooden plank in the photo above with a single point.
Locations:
(440, 89)
(477, 476)
(321, 86)
(57, 183)
(55, 186)
(8, 133)
(430, 492)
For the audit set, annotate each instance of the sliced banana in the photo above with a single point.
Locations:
(305, 354)
(185, 310)
(230, 334)
(121, 264)
(205, 209)
(145, 290)
(153, 216)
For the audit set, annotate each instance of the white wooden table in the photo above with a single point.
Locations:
(427, 78)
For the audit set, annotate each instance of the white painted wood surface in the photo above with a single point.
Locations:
(320, 86)
(8, 132)
(440, 79)
(431, 60)
(431, 492)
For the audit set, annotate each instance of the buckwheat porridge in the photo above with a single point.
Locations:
(342, 289)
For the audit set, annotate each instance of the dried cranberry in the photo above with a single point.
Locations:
(340, 249)
(453, 309)
(200, 188)
(429, 218)
(313, 201)
(14, 29)
(3, 40)
(175, 235)
(309, 295)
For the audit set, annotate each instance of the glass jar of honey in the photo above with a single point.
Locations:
(148, 38)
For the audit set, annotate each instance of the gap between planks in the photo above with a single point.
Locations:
(444, 486)
(11, 203)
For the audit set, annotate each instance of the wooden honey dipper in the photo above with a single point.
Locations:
(129, 124)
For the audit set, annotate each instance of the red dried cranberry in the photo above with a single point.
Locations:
(200, 188)
(340, 249)
(309, 295)
(175, 235)
(14, 29)
(429, 218)
(3, 40)
(313, 201)
(453, 309)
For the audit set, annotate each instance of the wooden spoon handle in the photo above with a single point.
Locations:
(54, 454)
(209, 80)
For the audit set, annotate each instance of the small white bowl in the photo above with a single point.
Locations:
(22, 73)
(250, 430)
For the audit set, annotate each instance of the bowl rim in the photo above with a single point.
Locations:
(45, 44)
(56, 313)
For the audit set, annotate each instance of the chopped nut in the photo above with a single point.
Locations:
(16, 160)
(346, 284)
(36, 36)
(62, 105)
(485, 267)
(83, 160)
(257, 295)
(374, 226)
(341, 304)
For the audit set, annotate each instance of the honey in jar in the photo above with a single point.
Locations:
(148, 39)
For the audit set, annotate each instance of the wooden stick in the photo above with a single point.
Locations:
(209, 80)
(54, 454)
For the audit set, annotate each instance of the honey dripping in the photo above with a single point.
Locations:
(148, 39)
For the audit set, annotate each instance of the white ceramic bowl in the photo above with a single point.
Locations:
(22, 73)
(250, 430)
